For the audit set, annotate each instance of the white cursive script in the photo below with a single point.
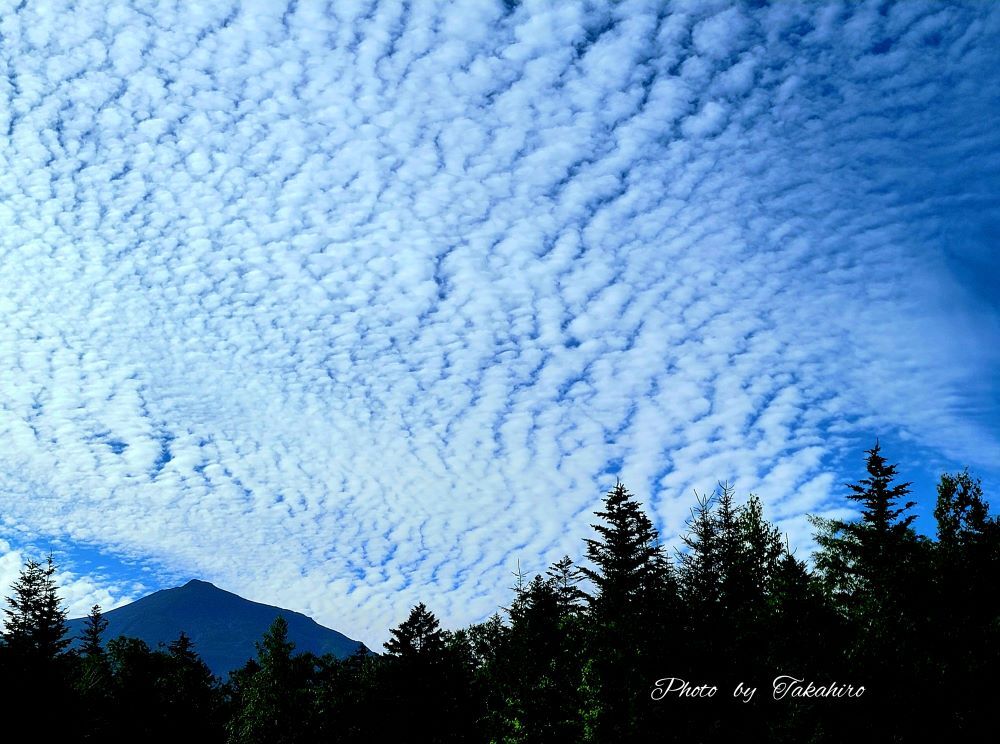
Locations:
(793, 687)
(680, 688)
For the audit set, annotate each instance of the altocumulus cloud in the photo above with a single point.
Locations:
(345, 306)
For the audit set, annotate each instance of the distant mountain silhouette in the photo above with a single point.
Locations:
(223, 625)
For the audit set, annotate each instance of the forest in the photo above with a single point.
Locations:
(882, 635)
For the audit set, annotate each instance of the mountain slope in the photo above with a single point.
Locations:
(223, 625)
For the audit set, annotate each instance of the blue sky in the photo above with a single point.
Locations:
(348, 306)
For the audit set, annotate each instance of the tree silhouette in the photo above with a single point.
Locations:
(628, 561)
(419, 637)
(35, 627)
(274, 704)
(93, 633)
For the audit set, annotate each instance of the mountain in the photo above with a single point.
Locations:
(223, 625)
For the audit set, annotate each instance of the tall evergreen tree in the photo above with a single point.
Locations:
(878, 571)
(565, 578)
(418, 638)
(34, 643)
(966, 608)
(864, 560)
(35, 627)
(426, 680)
(700, 563)
(191, 693)
(543, 659)
(274, 703)
(93, 679)
(627, 558)
(93, 633)
(622, 555)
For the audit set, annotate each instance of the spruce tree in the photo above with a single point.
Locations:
(34, 645)
(93, 681)
(274, 700)
(93, 632)
(191, 693)
(543, 659)
(626, 558)
(421, 681)
(419, 637)
(700, 564)
(565, 578)
(35, 628)
(622, 556)
(966, 608)
(878, 570)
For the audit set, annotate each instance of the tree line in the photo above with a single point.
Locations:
(626, 646)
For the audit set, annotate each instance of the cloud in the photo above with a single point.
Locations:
(348, 309)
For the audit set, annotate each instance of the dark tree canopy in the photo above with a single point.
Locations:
(577, 654)
(36, 620)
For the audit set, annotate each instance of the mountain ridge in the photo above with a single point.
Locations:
(223, 626)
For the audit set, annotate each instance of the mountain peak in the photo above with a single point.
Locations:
(223, 626)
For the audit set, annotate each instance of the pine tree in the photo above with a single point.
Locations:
(627, 560)
(426, 680)
(700, 563)
(543, 659)
(93, 681)
(274, 703)
(565, 578)
(879, 572)
(864, 560)
(33, 647)
(419, 637)
(93, 632)
(622, 555)
(191, 694)
(35, 627)
(966, 608)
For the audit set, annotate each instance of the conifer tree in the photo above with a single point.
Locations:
(274, 700)
(93, 680)
(35, 627)
(426, 681)
(864, 560)
(34, 644)
(878, 571)
(93, 632)
(966, 607)
(419, 637)
(622, 556)
(627, 558)
(565, 578)
(700, 564)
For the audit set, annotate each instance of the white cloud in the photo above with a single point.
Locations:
(347, 312)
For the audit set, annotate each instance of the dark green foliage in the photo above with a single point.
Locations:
(629, 569)
(418, 640)
(35, 671)
(191, 695)
(862, 560)
(93, 633)
(36, 620)
(275, 696)
(916, 621)
(965, 603)
(93, 680)
(426, 679)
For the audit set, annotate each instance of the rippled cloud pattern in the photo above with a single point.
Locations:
(346, 306)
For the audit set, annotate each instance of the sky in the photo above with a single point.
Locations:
(347, 306)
